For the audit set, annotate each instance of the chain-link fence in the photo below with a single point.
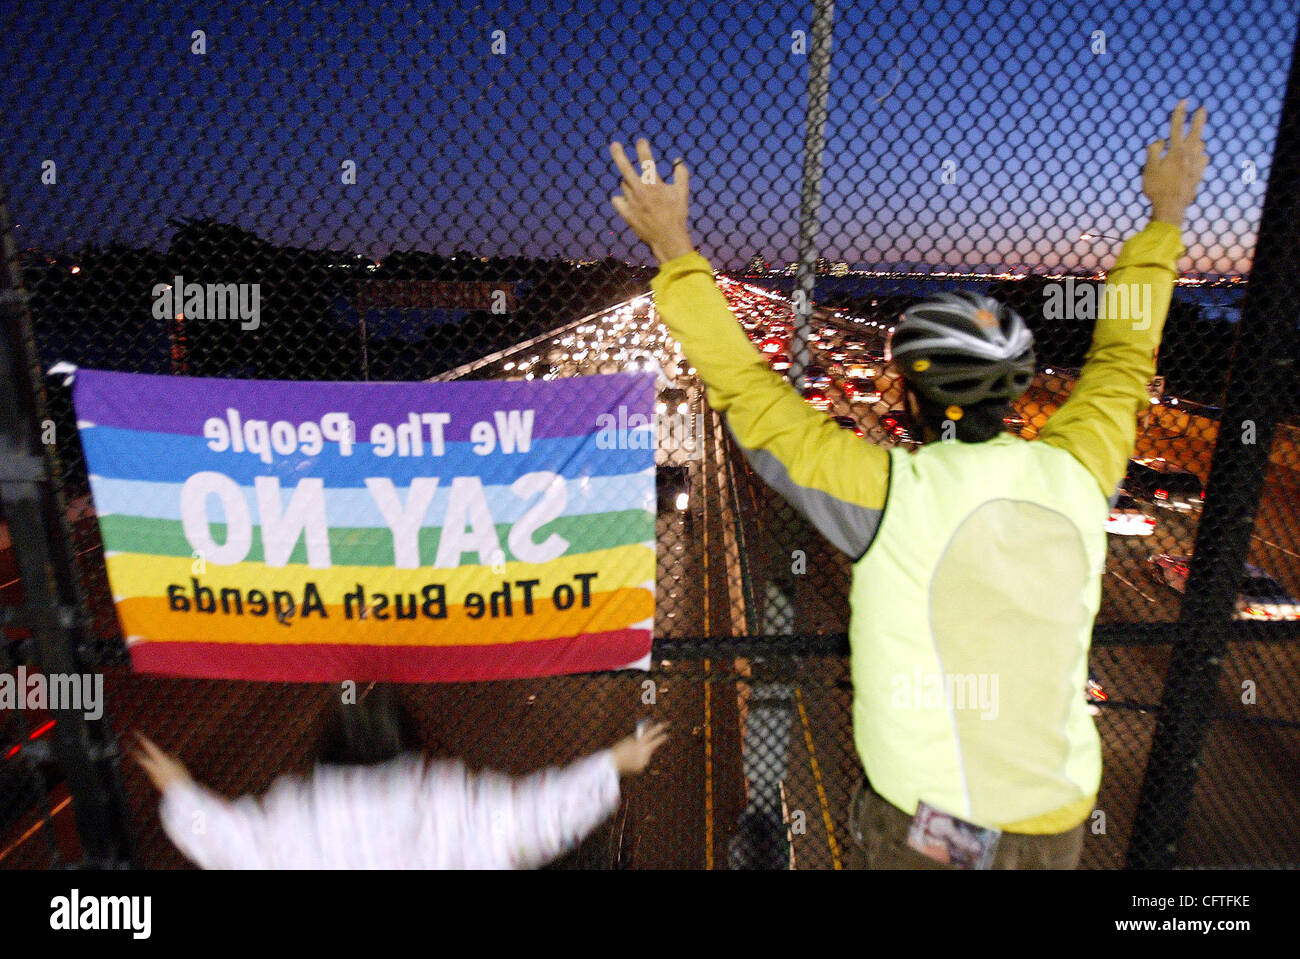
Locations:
(423, 194)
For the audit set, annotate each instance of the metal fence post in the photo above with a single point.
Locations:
(1261, 368)
(767, 727)
(810, 195)
(85, 749)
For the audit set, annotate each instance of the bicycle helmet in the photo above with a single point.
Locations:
(960, 349)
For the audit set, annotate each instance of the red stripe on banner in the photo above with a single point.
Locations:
(320, 662)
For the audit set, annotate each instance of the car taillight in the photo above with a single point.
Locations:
(39, 731)
(1162, 494)
(1149, 521)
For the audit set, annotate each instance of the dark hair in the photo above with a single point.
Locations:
(978, 422)
(375, 729)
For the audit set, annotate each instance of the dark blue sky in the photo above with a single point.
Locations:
(506, 154)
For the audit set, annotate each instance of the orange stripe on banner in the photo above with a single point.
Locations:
(151, 618)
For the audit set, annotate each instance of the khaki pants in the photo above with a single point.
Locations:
(880, 828)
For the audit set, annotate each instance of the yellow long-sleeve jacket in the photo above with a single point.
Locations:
(973, 563)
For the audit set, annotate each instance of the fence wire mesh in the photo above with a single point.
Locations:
(423, 193)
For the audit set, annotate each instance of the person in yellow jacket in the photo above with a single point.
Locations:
(977, 557)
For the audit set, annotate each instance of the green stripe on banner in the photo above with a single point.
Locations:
(373, 545)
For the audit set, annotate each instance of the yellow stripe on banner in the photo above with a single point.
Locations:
(140, 574)
(151, 617)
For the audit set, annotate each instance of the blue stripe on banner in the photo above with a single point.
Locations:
(354, 507)
(171, 458)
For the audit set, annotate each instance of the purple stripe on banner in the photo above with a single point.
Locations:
(181, 405)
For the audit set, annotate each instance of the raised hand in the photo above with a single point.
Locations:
(632, 753)
(162, 769)
(656, 211)
(1171, 176)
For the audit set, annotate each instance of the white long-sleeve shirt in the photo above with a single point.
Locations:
(411, 813)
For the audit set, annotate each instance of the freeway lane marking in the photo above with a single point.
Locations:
(708, 732)
(1149, 599)
(1274, 545)
(36, 828)
(817, 777)
(704, 525)
(708, 773)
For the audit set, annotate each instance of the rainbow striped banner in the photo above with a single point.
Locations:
(415, 532)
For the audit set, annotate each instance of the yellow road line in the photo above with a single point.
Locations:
(29, 833)
(817, 777)
(704, 525)
(708, 725)
(708, 773)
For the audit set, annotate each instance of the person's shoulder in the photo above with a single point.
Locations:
(1054, 452)
(418, 770)
(1004, 444)
(398, 781)
(288, 791)
(945, 461)
(410, 769)
(443, 771)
